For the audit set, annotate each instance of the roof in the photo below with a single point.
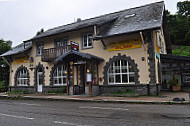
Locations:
(130, 20)
(70, 55)
(18, 49)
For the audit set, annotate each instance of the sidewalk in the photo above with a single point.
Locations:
(165, 97)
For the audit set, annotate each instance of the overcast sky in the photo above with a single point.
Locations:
(21, 19)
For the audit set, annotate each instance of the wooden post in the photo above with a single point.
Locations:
(67, 79)
(85, 77)
(73, 80)
(77, 76)
(97, 74)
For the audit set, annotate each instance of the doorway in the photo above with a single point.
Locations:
(39, 80)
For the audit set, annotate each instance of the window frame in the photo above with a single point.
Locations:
(57, 77)
(121, 73)
(41, 48)
(24, 77)
(87, 34)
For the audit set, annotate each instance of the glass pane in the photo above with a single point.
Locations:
(118, 79)
(111, 70)
(60, 81)
(85, 40)
(64, 80)
(89, 40)
(124, 78)
(111, 78)
(131, 78)
(131, 68)
(117, 66)
(55, 81)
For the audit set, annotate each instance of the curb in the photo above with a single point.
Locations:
(95, 100)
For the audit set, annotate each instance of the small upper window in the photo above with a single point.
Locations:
(87, 41)
(40, 47)
(61, 42)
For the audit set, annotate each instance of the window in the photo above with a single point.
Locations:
(22, 77)
(121, 72)
(60, 75)
(87, 41)
(61, 42)
(40, 47)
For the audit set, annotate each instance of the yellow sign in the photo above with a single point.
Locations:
(20, 60)
(126, 44)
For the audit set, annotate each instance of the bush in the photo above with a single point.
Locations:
(19, 91)
(3, 87)
(62, 90)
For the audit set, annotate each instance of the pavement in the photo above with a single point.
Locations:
(165, 97)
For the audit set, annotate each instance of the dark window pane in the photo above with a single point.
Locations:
(124, 78)
(131, 78)
(111, 79)
(118, 79)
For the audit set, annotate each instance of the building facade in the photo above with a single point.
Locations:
(103, 54)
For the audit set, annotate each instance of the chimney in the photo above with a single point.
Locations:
(78, 19)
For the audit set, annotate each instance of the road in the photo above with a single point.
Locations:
(62, 113)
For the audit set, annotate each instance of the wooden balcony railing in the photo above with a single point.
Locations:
(52, 53)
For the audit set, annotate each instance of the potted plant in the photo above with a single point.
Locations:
(174, 84)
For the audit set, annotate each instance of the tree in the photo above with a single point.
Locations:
(39, 32)
(4, 67)
(179, 24)
(182, 51)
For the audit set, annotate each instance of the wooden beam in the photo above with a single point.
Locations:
(85, 77)
(77, 76)
(97, 74)
(67, 79)
(73, 79)
(103, 43)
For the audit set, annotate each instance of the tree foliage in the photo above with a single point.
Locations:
(39, 32)
(4, 68)
(179, 24)
(182, 51)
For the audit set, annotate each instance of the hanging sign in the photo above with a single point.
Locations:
(17, 60)
(125, 44)
(31, 61)
(74, 46)
(89, 77)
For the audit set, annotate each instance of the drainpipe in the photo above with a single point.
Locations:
(145, 49)
(6, 61)
(95, 30)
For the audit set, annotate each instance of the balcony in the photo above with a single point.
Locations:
(51, 54)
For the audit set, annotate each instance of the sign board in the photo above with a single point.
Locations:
(80, 62)
(74, 46)
(23, 59)
(89, 77)
(125, 44)
(31, 61)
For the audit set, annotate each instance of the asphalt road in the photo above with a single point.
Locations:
(60, 113)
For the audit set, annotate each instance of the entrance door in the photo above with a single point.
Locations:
(39, 80)
(82, 77)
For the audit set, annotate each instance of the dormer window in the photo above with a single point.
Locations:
(87, 40)
(40, 47)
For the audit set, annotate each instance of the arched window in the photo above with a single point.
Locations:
(22, 77)
(60, 75)
(121, 72)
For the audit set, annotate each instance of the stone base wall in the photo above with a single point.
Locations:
(47, 89)
(30, 89)
(141, 89)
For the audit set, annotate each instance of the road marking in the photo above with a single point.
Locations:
(29, 104)
(15, 116)
(67, 123)
(107, 108)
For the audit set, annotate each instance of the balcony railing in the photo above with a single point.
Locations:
(52, 53)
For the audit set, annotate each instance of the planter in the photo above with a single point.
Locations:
(176, 88)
